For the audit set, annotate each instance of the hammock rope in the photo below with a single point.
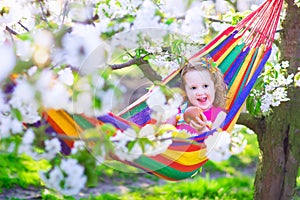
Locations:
(240, 53)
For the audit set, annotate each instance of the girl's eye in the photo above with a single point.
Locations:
(193, 88)
(205, 86)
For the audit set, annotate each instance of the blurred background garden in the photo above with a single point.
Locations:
(66, 66)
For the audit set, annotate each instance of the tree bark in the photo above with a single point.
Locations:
(280, 142)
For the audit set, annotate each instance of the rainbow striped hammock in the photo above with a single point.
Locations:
(240, 52)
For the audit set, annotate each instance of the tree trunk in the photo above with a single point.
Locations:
(279, 141)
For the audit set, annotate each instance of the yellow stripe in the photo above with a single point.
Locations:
(65, 122)
(186, 158)
(236, 84)
(233, 122)
(260, 53)
(211, 48)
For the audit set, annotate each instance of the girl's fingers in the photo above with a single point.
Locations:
(200, 121)
(203, 117)
(198, 126)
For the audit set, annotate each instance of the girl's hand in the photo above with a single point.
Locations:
(198, 124)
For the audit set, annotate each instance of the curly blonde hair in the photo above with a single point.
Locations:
(215, 75)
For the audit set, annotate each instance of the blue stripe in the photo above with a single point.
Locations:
(240, 100)
(115, 122)
(228, 79)
(221, 46)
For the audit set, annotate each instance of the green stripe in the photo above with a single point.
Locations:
(82, 122)
(134, 110)
(227, 62)
(248, 71)
(237, 72)
(162, 169)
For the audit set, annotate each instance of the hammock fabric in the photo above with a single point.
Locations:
(240, 52)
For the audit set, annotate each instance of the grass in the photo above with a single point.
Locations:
(200, 188)
(19, 171)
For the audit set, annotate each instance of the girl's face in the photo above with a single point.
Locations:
(200, 89)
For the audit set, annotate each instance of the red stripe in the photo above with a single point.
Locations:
(227, 46)
(209, 45)
(93, 121)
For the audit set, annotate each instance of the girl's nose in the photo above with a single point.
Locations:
(199, 91)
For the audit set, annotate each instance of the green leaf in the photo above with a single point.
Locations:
(108, 129)
(97, 103)
(17, 114)
(170, 20)
(130, 145)
(24, 36)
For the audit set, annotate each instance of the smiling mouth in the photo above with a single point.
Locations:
(202, 99)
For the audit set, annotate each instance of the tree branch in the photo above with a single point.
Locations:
(24, 27)
(142, 64)
(11, 31)
(218, 20)
(134, 61)
(149, 72)
(43, 12)
(254, 123)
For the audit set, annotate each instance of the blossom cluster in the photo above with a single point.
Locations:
(68, 178)
(275, 89)
(130, 144)
(221, 144)
(276, 80)
(161, 108)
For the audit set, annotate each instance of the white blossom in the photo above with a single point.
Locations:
(50, 89)
(218, 146)
(24, 49)
(161, 144)
(23, 99)
(14, 12)
(148, 132)
(69, 172)
(8, 60)
(173, 11)
(158, 143)
(193, 23)
(156, 99)
(52, 147)
(161, 109)
(28, 137)
(77, 146)
(146, 17)
(80, 12)
(66, 76)
(120, 140)
(238, 143)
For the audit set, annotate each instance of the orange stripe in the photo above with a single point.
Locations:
(57, 129)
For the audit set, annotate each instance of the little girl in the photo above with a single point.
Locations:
(205, 88)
